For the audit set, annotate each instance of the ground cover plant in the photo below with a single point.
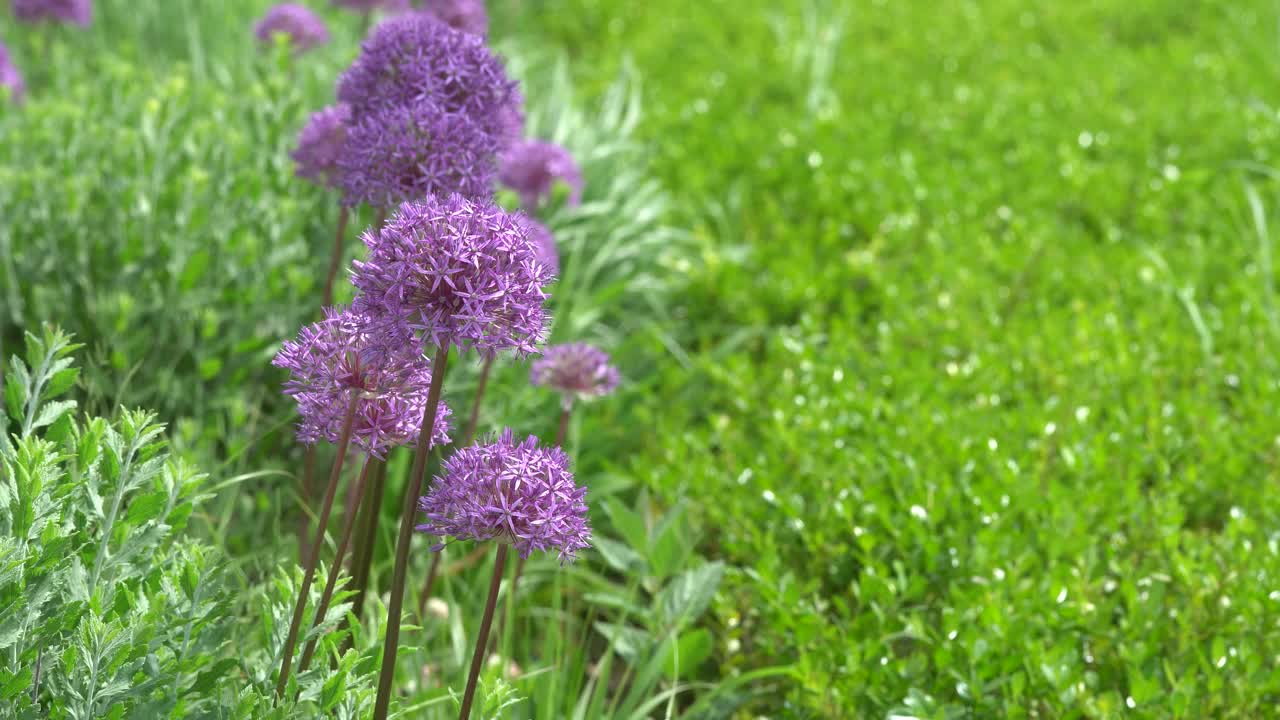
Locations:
(946, 350)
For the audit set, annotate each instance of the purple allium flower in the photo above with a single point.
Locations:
(371, 5)
(544, 244)
(465, 15)
(320, 145)
(348, 352)
(511, 492)
(304, 28)
(462, 272)
(77, 12)
(406, 153)
(577, 370)
(10, 77)
(415, 58)
(532, 168)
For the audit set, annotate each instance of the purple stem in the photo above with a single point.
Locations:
(482, 642)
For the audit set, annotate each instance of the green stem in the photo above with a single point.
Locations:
(309, 573)
(395, 603)
(336, 260)
(363, 556)
(482, 642)
(475, 404)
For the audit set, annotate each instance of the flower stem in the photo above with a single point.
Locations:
(430, 584)
(304, 519)
(362, 554)
(475, 404)
(336, 260)
(413, 489)
(336, 568)
(310, 571)
(482, 642)
(563, 430)
(470, 435)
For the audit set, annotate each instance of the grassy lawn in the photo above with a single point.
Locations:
(950, 328)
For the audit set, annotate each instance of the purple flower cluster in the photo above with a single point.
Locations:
(465, 15)
(532, 169)
(320, 145)
(407, 152)
(76, 12)
(544, 244)
(304, 28)
(461, 272)
(576, 370)
(512, 492)
(10, 77)
(349, 352)
(415, 58)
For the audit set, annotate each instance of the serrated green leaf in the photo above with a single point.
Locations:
(17, 389)
(688, 653)
(208, 679)
(145, 508)
(12, 684)
(618, 556)
(51, 412)
(61, 381)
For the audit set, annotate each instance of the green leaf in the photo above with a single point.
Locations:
(11, 685)
(687, 654)
(688, 594)
(17, 389)
(208, 679)
(51, 412)
(628, 523)
(618, 556)
(145, 508)
(61, 382)
(627, 641)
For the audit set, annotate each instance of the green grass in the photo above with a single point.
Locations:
(963, 357)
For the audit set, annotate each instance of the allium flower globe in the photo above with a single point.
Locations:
(371, 5)
(415, 58)
(511, 492)
(576, 370)
(533, 168)
(10, 78)
(465, 15)
(408, 152)
(544, 244)
(459, 271)
(320, 145)
(347, 352)
(304, 28)
(76, 12)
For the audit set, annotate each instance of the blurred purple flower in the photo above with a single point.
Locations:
(544, 244)
(77, 12)
(348, 352)
(304, 28)
(371, 5)
(405, 153)
(532, 168)
(414, 59)
(511, 492)
(461, 272)
(10, 77)
(320, 145)
(576, 370)
(465, 15)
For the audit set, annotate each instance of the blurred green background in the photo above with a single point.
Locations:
(950, 327)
